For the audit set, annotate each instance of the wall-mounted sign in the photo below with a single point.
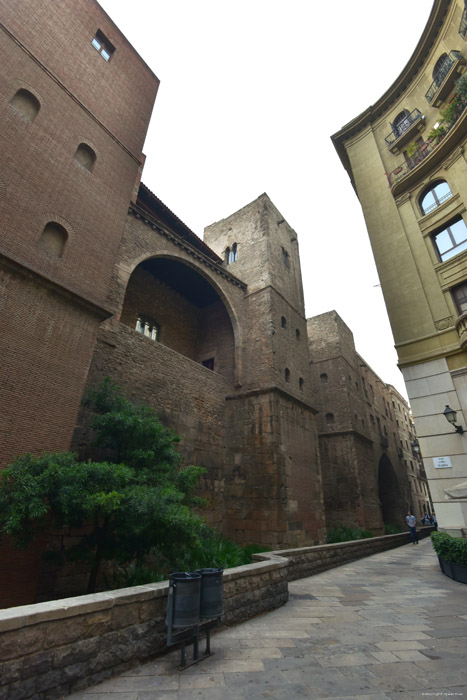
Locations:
(442, 462)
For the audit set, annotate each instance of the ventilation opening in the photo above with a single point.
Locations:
(26, 104)
(85, 156)
(53, 239)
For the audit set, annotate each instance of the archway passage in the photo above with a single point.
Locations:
(171, 303)
(389, 493)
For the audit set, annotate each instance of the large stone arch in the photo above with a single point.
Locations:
(191, 313)
(389, 492)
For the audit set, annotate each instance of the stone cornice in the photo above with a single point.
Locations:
(269, 390)
(178, 241)
(411, 70)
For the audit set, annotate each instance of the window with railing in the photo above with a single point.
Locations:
(434, 195)
(402, 124)
(442, 67)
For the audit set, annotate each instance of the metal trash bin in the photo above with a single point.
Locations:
(212, 593)
(184, 599)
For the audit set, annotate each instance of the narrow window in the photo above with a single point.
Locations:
(227, 256)
(283, 322)
(53, 239)
(103, 45)
(148, 327)
(459, 294)
(323, 378)
(285, 257)
(297, 334)
(234, 253)
(209, 363)
(287, 374)
(451, 240)
(301, 383)
(26, 104)
(85, 156)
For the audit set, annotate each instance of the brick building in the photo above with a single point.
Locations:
(99, 278)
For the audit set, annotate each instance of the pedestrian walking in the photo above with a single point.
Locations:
(412, 523)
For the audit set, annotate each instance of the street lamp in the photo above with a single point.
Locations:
(450, 414)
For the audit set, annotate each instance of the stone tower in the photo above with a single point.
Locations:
(272, 487)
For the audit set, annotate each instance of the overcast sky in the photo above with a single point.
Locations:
(250, 94)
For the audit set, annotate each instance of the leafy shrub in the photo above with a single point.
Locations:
(451, 549)
(346, 534)
(390, 529)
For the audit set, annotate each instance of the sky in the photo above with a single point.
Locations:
(250, 95)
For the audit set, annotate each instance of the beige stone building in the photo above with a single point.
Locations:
(406, 160)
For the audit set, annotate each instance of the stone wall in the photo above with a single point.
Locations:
(52, 649)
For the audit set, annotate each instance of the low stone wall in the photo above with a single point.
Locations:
(52, 649)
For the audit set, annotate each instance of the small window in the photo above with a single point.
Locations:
(459, 294)
(209, 363)
(434, 195)
(287, 374)
(323, 378)
(285, 258)
(451, 240)
(329, 418)
(148, 327)
(103, 45)
(231, 254)
(85, 156)
(26, 104)
(283, 322)
(53, 239)
(297, 334)
(301, 383)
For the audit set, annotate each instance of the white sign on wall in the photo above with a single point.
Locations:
(442, 462)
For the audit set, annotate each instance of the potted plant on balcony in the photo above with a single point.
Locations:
(412, 149)
(437, 133)
(452, 555)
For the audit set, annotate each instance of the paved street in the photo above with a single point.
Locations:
(389, 627)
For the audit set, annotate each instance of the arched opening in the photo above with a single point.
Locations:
(389, 492)
(184, 312)
(441, 68)
(26, 104)
(53, 239)
(401, 123)
(434, 195)
(85, 156)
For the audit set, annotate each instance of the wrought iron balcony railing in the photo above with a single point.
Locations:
(404, 168)
(441, 74)
(402, 127)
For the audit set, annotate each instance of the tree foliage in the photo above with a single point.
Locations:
(138, 501)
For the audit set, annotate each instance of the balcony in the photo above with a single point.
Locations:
(405, 131)
(429, 154)
(461, 328)
(445, 78)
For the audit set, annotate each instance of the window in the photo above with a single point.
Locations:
(287, 374)
(209, 363)
(301, 383)
(283, 322)
(148, 327)
(459, 294)
(451, 240)
(324, 378)
(329, 418)
(297, 334)
(434, 195)
(26, 104)
(85, 156)
(53, 239)
(231, 254)
(401, 123)
(441, 69)
(103, 45)
(285, 257)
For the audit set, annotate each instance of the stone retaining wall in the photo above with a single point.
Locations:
(51, 649)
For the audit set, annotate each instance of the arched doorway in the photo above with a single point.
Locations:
(171, 303)
(389, 493)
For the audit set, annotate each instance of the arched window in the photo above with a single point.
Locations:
(441, 68)
(231, 254)
(451, 239)
(434, 195)
(227, 256)
(401, 123)
(329, 418)
(53, 239)
(324, 378)
(26, 104)
(85, 156)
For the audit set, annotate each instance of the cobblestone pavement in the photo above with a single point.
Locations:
(388, 627)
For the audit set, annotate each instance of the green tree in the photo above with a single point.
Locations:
(136, 502)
